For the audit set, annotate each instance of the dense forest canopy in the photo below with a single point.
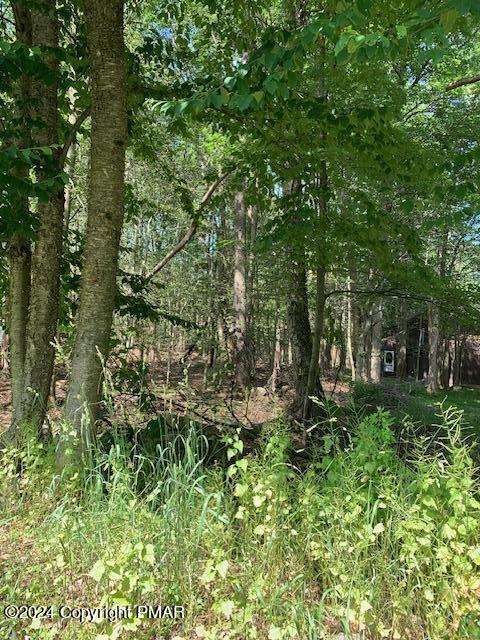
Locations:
(233, 212)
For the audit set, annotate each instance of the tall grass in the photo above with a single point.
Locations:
(362, 543)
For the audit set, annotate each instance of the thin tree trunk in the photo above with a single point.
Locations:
(363, 343)
(277, 355)
(313, 383)
(105, 41)
(46, 260)
(299, 331)
(376, 343)
(457, 369)
(242, 370)
(314, 387)
(70, 160)
(402, 341)
(360, 346)
(350, 329)
(19, 251)
(367, 342)
(433, 343)
(251, 278)
(419, 348)
(19, 297)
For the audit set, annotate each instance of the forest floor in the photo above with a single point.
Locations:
(184, 389)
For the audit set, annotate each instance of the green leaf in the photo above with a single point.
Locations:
(258, 95)
(216, 99)
(227, 607)
(271, 86)
(244, 101)
(149, 554)
(448, 19)
(342, 42)
(240, 489)
(364, 5)
(284, 91)
(242, 464)
(222, 568)
(97, 571)
(258, 500)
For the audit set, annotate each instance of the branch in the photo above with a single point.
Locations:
(192, 230)
(394, 293)
(419, 76)
(462, 82)
(71, 135)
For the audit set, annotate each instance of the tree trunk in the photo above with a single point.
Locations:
(359, 345)
(19, 251)
(277, 355)
(402, 341)
(363, 343)
(313, 383)
(70, 160)
(376, 343)
(350, 329)
(419, 347)
(47, 255)
(105, 42)
(367, 345)
(457, 367)
(433, 343)
(251, 288)
(19, 297)
(299, 331)
(242, 369)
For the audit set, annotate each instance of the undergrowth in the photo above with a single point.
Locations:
(362, 543)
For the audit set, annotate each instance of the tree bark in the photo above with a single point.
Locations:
(19, 251)
(433, 343)
(457, 367)
(242, 369)
(251, 287)
(376, 343)
(367, 345)
(277, 354)
(363, 345)
(299, 331)
(313, 382)
(106, 48)
(46, 260)
(350, 329)
(402, 341)
(19, 298)
(71, 158)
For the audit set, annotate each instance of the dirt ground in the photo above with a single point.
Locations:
(187, 388)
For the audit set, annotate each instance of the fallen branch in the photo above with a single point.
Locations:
(192, 230)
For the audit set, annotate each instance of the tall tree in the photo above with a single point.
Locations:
(433, 343)
(376, 342)
(241, 329)
(106, 49)
(19, 250)
(47, 255)
(299, 331)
